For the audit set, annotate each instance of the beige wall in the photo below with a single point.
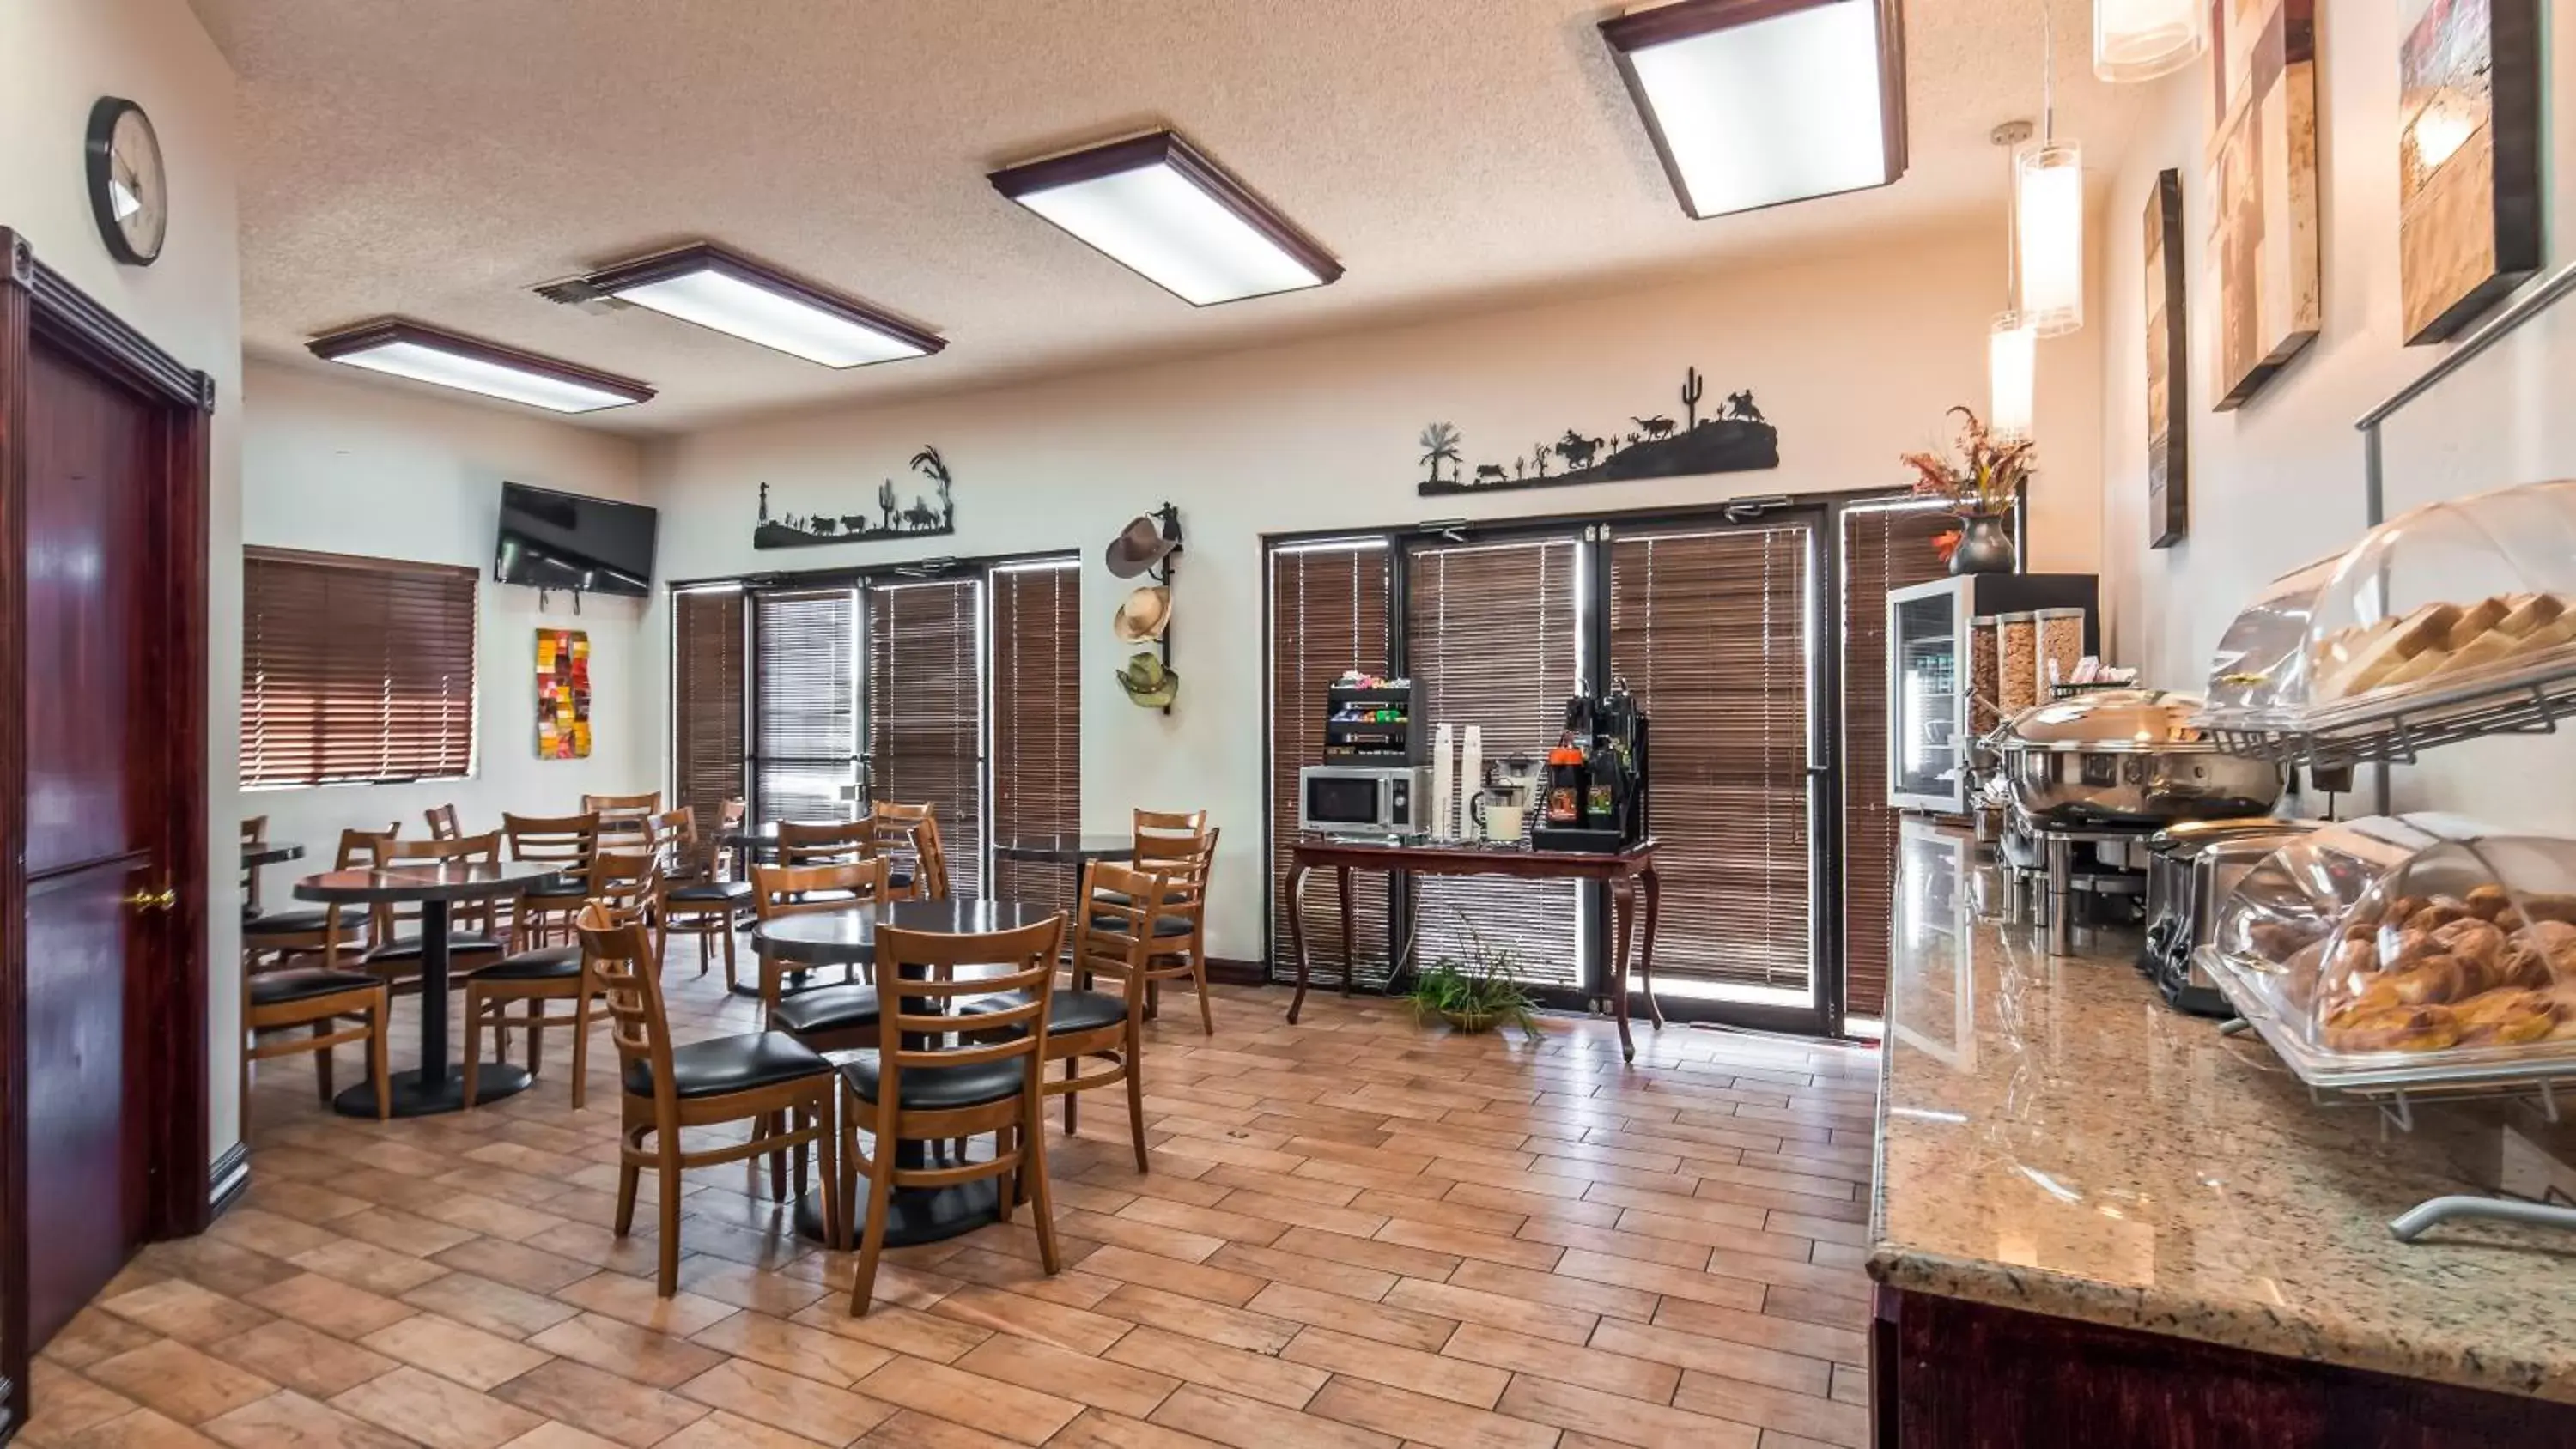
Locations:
(363, 468)
(1854, 357)
(2280, 482)
(57, 57)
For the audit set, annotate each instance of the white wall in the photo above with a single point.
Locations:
(363, 468)
(57, 57)
(1853, 357)
(2280, 482)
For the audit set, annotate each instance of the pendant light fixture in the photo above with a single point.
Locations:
(2012, 348)
(2139, 40)
(2049, 201)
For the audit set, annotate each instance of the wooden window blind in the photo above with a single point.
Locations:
(355, 669)
(925, 712)
(707, 672)
(807, 711)
(1037, 720)
(1884, 548)
(1712, 630)
(1492, 638)
(1328, 613)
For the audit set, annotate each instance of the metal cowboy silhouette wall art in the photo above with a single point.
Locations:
(1732, 437)
(927, 515)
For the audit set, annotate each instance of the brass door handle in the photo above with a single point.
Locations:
(160, 900)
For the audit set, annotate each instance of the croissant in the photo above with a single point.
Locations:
(2403, 1028)
(2440, 980)
(2502, 1017)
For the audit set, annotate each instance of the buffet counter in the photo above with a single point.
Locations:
(2072, 1173)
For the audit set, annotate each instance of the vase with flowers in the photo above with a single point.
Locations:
(1980, 486)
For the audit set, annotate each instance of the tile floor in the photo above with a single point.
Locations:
(1356, 1233)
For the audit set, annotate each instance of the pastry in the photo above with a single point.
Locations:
(2474, 621)
(2438, 981)
(2372, 661)
(2441, 912)
(2500, 1018)
(2487, 902)
(2530, 612)
(2471, 939)
(2398, 1028)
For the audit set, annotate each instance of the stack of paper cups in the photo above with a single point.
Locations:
(1471, 778)
(1443, 745)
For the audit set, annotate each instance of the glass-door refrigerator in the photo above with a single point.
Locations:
(1932, 694)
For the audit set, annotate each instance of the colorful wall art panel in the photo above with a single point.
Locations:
(563, 694)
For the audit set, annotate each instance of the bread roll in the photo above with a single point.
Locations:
(2474, 620)
(2487, 902)
(2530, 612)
(2424, 629)
(2471, 939)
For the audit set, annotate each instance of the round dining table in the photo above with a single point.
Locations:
(847, 938)
(1065, 848)
(270, 852)
(437, 1085)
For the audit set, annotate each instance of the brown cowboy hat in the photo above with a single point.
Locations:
(1138, 547)
(1145, 614)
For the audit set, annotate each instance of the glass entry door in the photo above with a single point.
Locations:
(805, 704)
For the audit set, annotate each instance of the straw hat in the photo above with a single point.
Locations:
(1138, 547)
(1149, 682)
(1144, 615)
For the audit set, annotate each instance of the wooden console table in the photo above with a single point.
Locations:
(1630, 873)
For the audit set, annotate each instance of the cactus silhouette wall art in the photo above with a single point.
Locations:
(1731, 437)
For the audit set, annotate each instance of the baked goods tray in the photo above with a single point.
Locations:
(2393, 1074)
(2530, 700)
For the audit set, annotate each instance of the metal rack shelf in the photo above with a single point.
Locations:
(2528, 701)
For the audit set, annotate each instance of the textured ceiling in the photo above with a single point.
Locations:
(436, 160)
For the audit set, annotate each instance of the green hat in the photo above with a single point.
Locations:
(1148, 680)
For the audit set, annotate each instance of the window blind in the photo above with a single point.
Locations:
(925, 717)
(1884, 548)
(1712, 630)
(1037, 720)
(1492, 637)
(355, 669)
(807, 715)
(1328, 613)
(707, 667)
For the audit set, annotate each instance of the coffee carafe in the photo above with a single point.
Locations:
(1501, 809)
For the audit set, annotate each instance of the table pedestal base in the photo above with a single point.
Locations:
(415, 1095)
(915, 1214)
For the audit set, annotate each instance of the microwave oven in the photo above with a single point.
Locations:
(1364, 799)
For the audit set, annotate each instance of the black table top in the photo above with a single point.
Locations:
(270, 852)
(1065, 848)
(427, 881)
(829, 938)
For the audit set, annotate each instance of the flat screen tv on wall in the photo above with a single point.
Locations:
(553, 540)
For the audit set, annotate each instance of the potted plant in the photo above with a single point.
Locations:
(1475, 995)
(1980, 486)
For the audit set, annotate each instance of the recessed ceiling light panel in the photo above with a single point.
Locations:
(1155, 205)
(727, 292)
(1755, 103)
(426, 354)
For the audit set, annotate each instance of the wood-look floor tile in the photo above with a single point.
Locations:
(786, 1401)
(1322, 1274)
(909, 1430)
(437, 1413)
(289, 1420)
(65, 1403)
(1098, 1429)
(1199, 1318)
(659, 1360)
(477, 1301)
(140, 1429)
(219, 1266)
(1457, 1380)
(1251, 1375)
(1423, 1420)
(606, 1405)
(1197, 1280)
(1846, 1425)
(1767, 1330)
(903, 1330)
(1022, 1415)
(795, 1348)
(334, 1307)
(727, 1281)
(368, 1267)
(1073, 1287)
(452, 1350)
(1470, 1305)
(1242, 1423)
(1084, 1378)
(1619, 1420)
(1384, 1257)
(1078, 1329)
(306, 1360)
(720, 1430)
(1614, 1373)
(565, 1436)
(178, 1381)
(1400, 1325)
(531, 1270)
(634, 1300)
(185, 1312)
(1726, 1292)
(94, 1334)
(402, 1232)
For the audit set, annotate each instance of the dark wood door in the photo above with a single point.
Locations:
(95, 457)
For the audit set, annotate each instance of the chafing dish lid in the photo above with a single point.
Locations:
(2111, 719)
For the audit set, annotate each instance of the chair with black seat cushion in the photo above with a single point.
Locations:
(624, 815)
(697, 900)
(919, 1087)
(393, 950)
(779, 891)
(1102, 1028)
(442, 822)
(784, 1090)
(327, 1001)
(907, 836)
(1179, 930)
(324, 931)
(625, 883)
(565, 840)
(825, 842)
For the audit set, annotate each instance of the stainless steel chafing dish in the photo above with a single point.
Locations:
(2127, 757)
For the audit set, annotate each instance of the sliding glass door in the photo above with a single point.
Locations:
(805, 703)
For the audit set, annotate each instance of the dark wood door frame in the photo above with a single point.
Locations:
(37, 304)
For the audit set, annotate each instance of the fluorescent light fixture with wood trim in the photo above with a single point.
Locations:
(1157, 206)
(426, 354)
(730, 293)
(1755, 103)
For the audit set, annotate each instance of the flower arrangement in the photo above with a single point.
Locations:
(1984, 480)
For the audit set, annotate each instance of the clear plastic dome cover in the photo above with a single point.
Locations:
(2403, 936)
(2467, 591)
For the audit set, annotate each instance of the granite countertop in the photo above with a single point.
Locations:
(2053, 1138)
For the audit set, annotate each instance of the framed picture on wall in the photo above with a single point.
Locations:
(2264, 227)
(2168, 368)
(2468, 158)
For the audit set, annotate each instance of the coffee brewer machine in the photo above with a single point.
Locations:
(1595, 795)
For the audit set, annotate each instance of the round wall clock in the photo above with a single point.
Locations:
(129, 192)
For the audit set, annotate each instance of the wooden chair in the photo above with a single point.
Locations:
(394, 953)
(254, 833)
(442, 822)
(323, 931)
(623, 814)
(696, 899)
(565, 840)
(784, 1090)
(914, 1088)
(1097, 1026)
(825, 842)
(625, 882)
(1179, 931)
(731, 817)
(324, 999)
(778, 891)
(908, 836)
